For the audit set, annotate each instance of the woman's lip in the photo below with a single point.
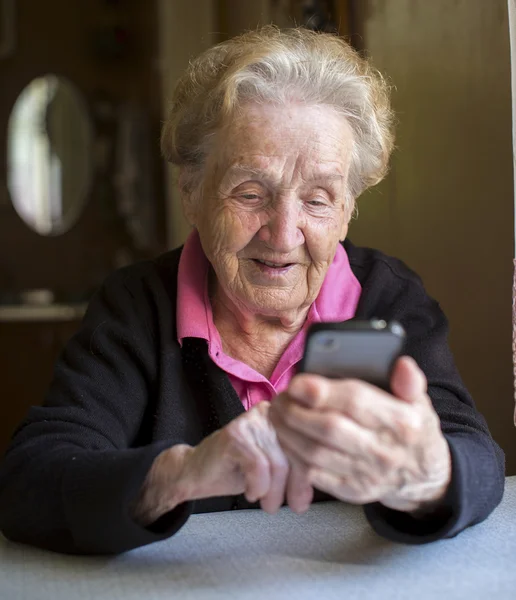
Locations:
(273, 264)
(273, 271)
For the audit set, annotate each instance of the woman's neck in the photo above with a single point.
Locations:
(255, 339)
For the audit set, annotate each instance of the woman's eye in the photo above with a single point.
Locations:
(315, 202)
(250, 196)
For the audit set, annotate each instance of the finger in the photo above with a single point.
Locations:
(299, 489)
(309, 390)
(299, 492)
(315, 454)
(279, 471)
(365, 404)
(262, 435)
(357, 490)
(243, 448)
(408, 382)
(327, 428)
(255, 468)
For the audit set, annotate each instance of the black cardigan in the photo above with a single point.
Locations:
(124, 390)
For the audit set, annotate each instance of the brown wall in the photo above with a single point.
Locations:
(185, 29)
(447, 206)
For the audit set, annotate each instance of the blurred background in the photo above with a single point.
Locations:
(83, 190)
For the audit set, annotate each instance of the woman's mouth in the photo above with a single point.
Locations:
(273, 265)
(272, 269)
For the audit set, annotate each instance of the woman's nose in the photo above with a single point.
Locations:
(283, 232)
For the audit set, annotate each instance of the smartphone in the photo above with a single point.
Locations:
(354, 349)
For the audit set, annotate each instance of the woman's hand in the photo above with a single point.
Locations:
(361, 444)
(243, 457)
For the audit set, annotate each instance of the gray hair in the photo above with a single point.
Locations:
(270, 65)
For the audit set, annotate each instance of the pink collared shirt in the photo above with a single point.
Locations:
(337, 301)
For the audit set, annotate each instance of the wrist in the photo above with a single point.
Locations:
(426, 496)
(434, 490)
(417, 503)
(184, 483)
(165, 486)
(428, 507)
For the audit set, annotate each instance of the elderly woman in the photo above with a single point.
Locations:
(179, 393)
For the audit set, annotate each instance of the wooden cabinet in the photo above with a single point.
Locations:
(75, 40)
(28, 351)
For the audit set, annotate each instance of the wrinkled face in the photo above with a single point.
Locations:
(273, 205)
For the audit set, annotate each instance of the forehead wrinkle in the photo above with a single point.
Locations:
(317, 177)
(306, 158)
(244, 169)
(327, 177)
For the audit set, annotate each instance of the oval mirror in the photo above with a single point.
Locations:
(49, 154)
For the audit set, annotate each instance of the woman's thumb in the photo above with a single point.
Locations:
(407, 380)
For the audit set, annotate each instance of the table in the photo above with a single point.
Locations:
(330, 552)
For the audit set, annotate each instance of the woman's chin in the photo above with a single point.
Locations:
(273, 303)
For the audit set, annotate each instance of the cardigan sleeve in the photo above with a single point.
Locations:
(77, 463)
(477, 481)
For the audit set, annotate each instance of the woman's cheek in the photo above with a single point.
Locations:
(233, 230)
(322, 239)
(244, 226)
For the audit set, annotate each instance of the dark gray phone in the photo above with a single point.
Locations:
(354, 349)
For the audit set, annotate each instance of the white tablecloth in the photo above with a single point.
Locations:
(330, 552)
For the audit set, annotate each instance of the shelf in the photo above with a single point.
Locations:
(44, 312)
